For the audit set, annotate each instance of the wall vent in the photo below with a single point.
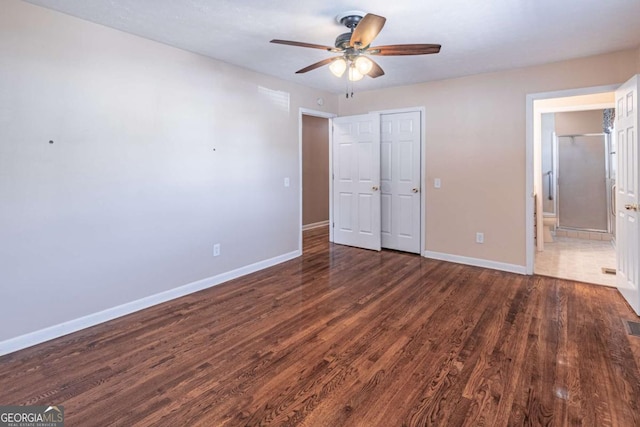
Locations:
(633, 328)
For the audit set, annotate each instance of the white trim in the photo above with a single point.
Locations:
(529, 208)
(315, 225)
(528, 192)
(477, 262)
(325, 115)
(398, 110)
(56, 331)
(570, 108)
(423, 180)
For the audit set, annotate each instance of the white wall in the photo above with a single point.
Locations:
(131, 196)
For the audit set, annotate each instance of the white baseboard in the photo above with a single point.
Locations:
(315, 225)
(56, 331)
(477, 262)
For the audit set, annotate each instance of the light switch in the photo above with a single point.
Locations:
(286, 181)
(437, 183)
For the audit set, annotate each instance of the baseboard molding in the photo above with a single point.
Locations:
(315, 225)
(477, 262)
(65, 328)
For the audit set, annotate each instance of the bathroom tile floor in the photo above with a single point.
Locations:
(577, 259)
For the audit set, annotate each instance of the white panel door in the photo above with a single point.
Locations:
(356, 181)
(628, 184)
(400, 181)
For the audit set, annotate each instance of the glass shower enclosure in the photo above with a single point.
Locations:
(585, 182)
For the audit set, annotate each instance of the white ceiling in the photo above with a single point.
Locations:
(476, 36)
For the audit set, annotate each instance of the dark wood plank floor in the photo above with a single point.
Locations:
(347, 337)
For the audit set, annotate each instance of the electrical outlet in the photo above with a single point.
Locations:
(286, 182)
(479, 237)
(437, 183)
(216, 249)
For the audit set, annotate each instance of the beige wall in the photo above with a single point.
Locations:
(130, 198)
(315, 169)
(579, 122)
(475, 142)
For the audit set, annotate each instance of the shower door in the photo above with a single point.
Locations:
(582, 183)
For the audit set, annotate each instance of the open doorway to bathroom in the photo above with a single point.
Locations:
(574, 179)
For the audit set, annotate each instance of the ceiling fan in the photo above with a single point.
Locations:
(355, 47)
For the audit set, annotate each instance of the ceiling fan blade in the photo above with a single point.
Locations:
(367, 30)
(404, 49)
(376, 70)
(318, 64)
(301, 44)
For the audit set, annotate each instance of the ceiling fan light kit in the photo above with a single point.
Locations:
(355, 47)
(354, 74)
(338, 67)
(363, 64)
(357, 69)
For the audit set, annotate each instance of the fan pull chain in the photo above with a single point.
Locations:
(349, 87)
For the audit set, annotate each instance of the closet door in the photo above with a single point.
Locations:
(356, 181)
(400, 181)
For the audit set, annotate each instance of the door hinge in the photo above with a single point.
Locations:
(333, 224)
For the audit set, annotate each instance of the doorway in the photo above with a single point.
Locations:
(315, 172)
(314, 149)
(572, 167)
(627, 190)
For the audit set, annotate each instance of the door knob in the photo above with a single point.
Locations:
(633, 207)
(374, 188)
(414, 190)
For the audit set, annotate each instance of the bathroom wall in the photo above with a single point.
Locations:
(548, 186)
(579, 122)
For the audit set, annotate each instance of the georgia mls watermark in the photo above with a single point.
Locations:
(31, 416)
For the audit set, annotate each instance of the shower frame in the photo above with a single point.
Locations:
(608, 147)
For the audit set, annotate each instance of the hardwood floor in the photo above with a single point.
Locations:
(348, 337)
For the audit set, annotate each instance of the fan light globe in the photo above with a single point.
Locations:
(338, 67)
(364, 64)
(354, 74)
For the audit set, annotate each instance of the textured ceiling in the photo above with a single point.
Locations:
(476, 36)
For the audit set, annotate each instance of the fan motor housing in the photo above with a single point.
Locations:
(342, 41)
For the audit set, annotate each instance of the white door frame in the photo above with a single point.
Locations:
(529, 169)
(329, 116)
